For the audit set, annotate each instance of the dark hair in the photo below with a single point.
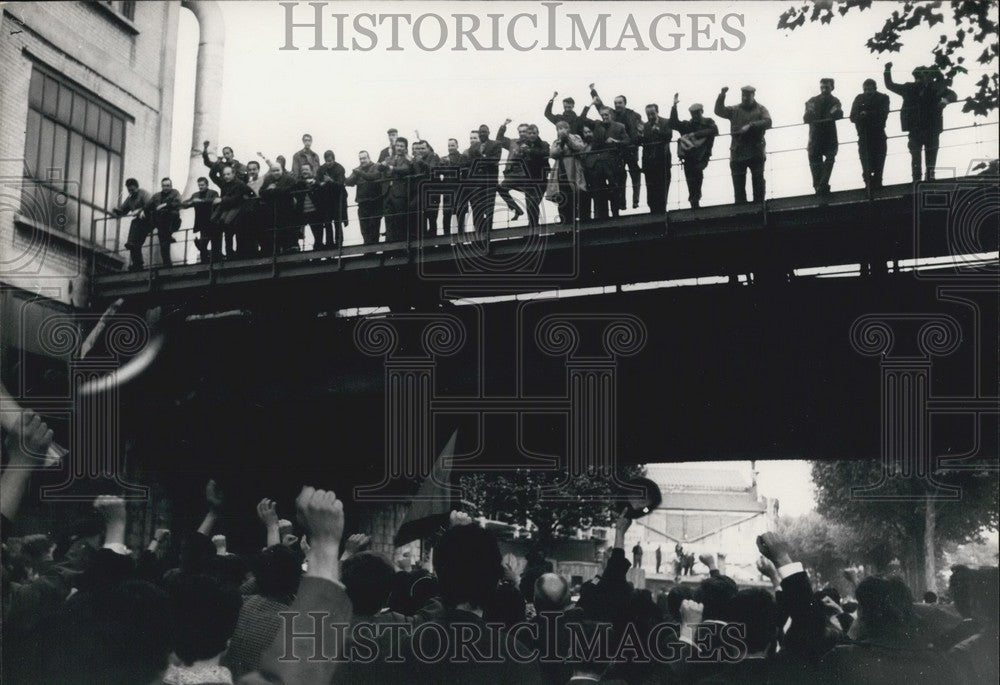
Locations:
(654, 106)
(306, 135)
(367, 576)
(930, 597)
(254, 162)
(205, 613)
(202, 178)
(401, 139)
(715, 593)
(756, 610)
(505, 605)
(412, 590)
(960, 587)
(229, 166)
(467, 562)
(304, 165)
(278, 571)
(885, 604)
(226, 148)
(166, 178)
(570, 101)
(131, 182)
(624, 99)
(868, 81)
(678, 594)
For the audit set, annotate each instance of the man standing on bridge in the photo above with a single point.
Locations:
(370, 198)
(921, 115)
(869, 113)
(655, 134)
(822, 113)
(748, 122)
(632, 121)
(694, 146)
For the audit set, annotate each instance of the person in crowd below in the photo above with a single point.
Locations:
(305, 156)
(921, 117)
(227, 159)
(399, 168)
(454, 173)
(312, 208)
(368, 177)
(654, 135)
(164, 213)
(228, 211)
(869, 112)
(483, 175)
(748, 122)
(133, 205)
(694, 147)
(276, 572)
(567, 115)
(977, 656)
(659, 558)
(887, 647)
(332, 176)
(210, 243)
(637, 555)
(822, 113)
(568, 186)
(205, 613)
(427, 202)
(390, 149)
(632, 121)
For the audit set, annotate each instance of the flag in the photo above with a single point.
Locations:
(431, 506)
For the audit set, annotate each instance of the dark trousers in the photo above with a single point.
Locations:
(694, 176)
(322, 230)
(632, 162)
(138, 232)
(929, 143)
(618, 187)
(821, 161)
(230, 236)
(569, 203)
(396, 223)
(603, 195)
(872, 151)
(504, 192)
(210, 244)
(370, 217)
(657, 184)
(739, 171)
(532, 199)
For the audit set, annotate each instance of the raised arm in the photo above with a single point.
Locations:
(898, 89)
(213, 495)
(720, 105)
(548, 109)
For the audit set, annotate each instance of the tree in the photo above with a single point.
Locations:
(822, 546)
(914, 525)
(570, 503)
(966, 22)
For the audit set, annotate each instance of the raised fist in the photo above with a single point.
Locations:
(322, 514)
(507, 121)
(162, 536)
(459, 518)
(725, 89)
(204, 145)
(691, 612)
(888, 66)
(355, 543)
(775, 548)
(554, 94)
(267, 512)
(220, 544)
(677, 98)
(707, 559)
(35, 437)
(766, 567)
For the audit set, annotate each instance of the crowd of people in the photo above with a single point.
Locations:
(313, 606)
(585, 171)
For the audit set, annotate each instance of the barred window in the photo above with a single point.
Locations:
(74, 146)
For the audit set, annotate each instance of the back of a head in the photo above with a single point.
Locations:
(884, 605)
(505, 605)
(755, 609)
(118, 636)
(367, 577)
(551, 592)
(985, 589)
(278, 571)
(960, 589)
(715, 593)
(677, 594)
(205, 614)
(467, 563)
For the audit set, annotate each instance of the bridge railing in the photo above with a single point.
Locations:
(786, 172)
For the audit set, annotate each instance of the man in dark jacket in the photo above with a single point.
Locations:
(921, 114)
(428, 203)
(694, 146)
(748, 121)
(632, 121)
(655, 135)
(228, 213)
(527, 170)
(387, 152)
(227, 159)
(210, 243)
(869, 112)
(369, 179)
(133, 205)
(454, 172)
(610, 139)
(822, 113)
(305, 156)
(483, 174)
(164, 214)
(567, 115)
(313, 208)
(277, 195)
(332, 176)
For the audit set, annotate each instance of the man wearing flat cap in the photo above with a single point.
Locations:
(822, 113)
(748, 121)
(387, 151)
(921, 114)
(694, 147)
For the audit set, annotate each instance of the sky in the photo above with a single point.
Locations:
(347, 99)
